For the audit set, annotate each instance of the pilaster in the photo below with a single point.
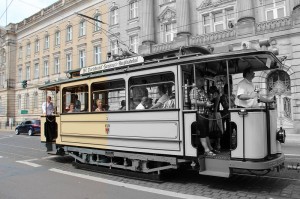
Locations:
(246, 19)
(183, 17)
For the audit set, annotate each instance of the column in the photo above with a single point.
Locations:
(245, 10)
(246, 20)
(147, 19)
(183, 17)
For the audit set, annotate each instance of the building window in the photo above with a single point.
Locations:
(56, 65)
(27, 72)
(114, 19)
(114, 48)
(1, 107)
(36, 71)
(20, 75)
(170, 32)
(133, 10)
(28, 49)
(97, 54)
(37, 46)
(69, 61)
(46, 68)
(1, 79)
(69, 33)
(57, 38)
(19, 102)
(275, 9)
(35, 100)
(20, 52)
(47, 38)
(218, 21)
(82, 28)
(82, 58)
(133, 43)
(97, 24)
(26, 104)
(206, 24)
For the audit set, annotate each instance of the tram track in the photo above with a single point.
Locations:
(270, 177)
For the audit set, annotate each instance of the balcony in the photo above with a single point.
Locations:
(213, 37)
(280, 24)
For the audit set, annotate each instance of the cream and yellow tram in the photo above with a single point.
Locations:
(116, 134)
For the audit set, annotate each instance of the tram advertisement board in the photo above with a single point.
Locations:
(112, 65)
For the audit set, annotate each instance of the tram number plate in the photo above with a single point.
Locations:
(109, 153)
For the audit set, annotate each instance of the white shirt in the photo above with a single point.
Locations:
(140, 107)
(49, 109)
(245, 87)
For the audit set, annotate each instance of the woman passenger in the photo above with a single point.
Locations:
(99, 106)
(71, 108)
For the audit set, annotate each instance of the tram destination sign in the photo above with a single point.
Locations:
(112, 65)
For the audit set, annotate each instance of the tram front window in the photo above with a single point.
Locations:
(75, 99)
(108, 96)
(154, 91)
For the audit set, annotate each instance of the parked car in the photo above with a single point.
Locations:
(29, 126)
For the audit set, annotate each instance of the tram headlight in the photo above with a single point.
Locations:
(280, 135)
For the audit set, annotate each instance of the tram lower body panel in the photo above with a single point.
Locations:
(146, 132)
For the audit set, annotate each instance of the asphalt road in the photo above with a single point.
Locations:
(26, 171)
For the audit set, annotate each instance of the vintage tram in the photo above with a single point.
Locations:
(153, 140)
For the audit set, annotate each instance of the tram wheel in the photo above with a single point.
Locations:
(260, 172)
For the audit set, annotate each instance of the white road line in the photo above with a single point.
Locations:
(29, 163)
(129, 186)
(21, 147)
(1, 156)
(6, 137)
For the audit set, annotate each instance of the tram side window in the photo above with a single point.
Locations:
(75, 99)
(155, 91)
(108, 96)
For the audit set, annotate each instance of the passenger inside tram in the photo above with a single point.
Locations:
(143, 104)
(247, 96)
(162, 91)
(201, 103)
(123, 105)
(215, 119)
(71, 108)
(99, 105)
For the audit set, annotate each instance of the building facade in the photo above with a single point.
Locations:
(43, 46)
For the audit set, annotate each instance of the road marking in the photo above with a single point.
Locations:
(129, 186)
(21, 147)
(1, 156)
(6, 137)
(27, 162)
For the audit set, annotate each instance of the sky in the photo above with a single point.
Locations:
(18, 10)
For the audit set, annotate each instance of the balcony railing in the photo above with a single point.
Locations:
(274, 25)
(213, 37)
(162, 47)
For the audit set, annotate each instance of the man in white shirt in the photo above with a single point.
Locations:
(246, 95)
(48, 107)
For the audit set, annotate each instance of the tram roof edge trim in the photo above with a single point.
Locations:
(112, 65)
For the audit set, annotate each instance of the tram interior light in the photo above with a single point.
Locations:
(280, 135)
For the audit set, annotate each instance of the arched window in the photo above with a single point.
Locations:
(279, 82)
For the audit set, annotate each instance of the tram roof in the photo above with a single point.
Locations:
(238, 61)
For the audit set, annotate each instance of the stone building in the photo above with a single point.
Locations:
(151, 26)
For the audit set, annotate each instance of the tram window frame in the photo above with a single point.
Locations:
(151, 82)
(107, 95)
(83, 97)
